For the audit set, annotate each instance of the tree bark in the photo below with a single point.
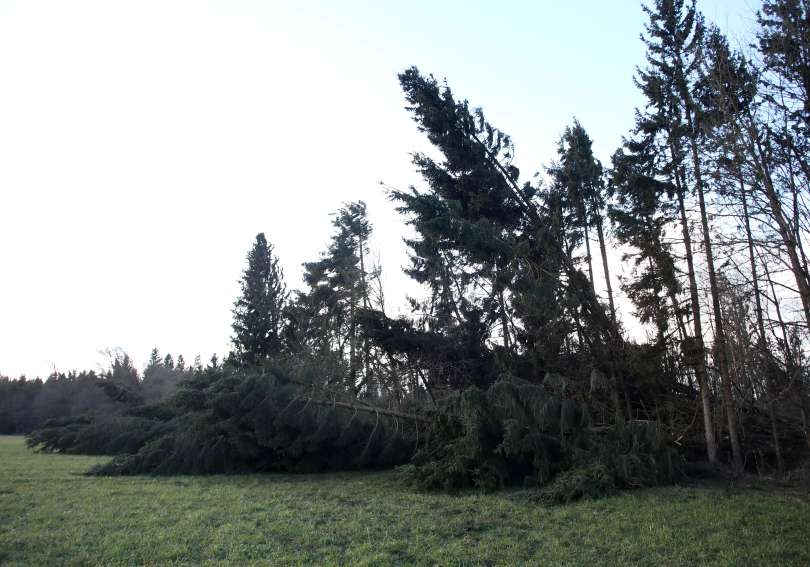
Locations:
(600, 234)
(762, 343)
(789, 239)
(719, 332)
(697, 359)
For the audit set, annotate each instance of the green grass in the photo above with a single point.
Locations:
(52, 515)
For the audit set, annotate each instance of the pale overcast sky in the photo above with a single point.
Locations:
(144, 144)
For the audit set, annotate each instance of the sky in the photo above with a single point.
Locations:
(143, 145)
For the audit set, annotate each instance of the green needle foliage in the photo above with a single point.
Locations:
(274, 418)
(257, 314)
(516, 432)
(281, 418)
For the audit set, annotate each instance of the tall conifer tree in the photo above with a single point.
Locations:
(258, 313)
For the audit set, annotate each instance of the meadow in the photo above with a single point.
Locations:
(52, 514)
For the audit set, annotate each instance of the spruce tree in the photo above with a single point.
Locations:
(495, 252)
(784, 42)
(579, 178)
(123, 372)
(674, 38)
(675, 42)
(779, 135)
(153, 366)
(324, 317)
(258, 313)
(154, 359)
(641, 213)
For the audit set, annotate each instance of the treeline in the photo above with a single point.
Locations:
(517, 365)
(27, 404)
(709, 191)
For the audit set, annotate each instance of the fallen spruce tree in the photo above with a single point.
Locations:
(230, 420)
(278, 418)
(520, 433)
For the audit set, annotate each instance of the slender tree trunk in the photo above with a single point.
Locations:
(603, 250)
(366, 305)
(616, 375)
(696, 359)
(719, 332)
(352, 342)
(762, 343)
(504, 322)
(776, 212)
(588, 254)
(353, 334)
(790, 365)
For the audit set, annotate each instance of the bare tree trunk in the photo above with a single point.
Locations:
(603, 249)
(696, 359)
(776, 212)
(719, 332)
(366, 305)
(353, 336)
(762, 342)
(789, 359)
(504, 322)
(588, 252)
(616, 375)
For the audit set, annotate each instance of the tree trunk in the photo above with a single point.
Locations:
(698, 358)
(789, 359)
(366, 305)
(588, 252)
(603, 250)
(719, 332)
(762, 343)
(504, 322)
(616, 375)
(352, 338)
(789, 239)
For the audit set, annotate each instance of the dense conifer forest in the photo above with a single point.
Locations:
(519, 364)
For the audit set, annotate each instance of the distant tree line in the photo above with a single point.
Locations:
(28, 404)
(516, 365)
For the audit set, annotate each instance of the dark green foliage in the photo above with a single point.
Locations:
(17, 404)
(323, 318)
(281, 417)
(495, 254)
(275, 418)
(258, 313)
(102, 435)
(516, 432)
(590, 481)
(105, 415)
(784, 42)
(457, 358)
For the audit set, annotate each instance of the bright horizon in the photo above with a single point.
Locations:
(144, 145)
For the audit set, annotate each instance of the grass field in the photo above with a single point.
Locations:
(52, 515)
